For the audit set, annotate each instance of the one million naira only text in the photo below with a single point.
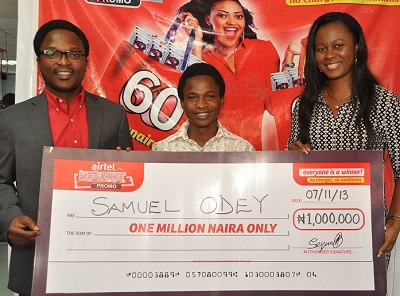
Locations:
(209, 206)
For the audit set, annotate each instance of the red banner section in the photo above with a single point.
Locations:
(128, 39)
(139, 48)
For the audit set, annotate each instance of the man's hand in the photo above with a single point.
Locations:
(23, 230)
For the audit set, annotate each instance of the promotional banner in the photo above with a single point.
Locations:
(139, 49)
(112, 224)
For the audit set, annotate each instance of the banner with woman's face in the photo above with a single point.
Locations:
(140, 48)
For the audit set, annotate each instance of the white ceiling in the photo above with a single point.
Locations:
(8, 30)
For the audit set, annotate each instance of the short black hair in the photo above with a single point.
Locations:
(199, 69)
(58, 25)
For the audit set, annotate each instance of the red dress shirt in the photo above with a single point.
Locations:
(68, 128)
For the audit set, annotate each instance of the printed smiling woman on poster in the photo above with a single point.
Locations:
(225, 37)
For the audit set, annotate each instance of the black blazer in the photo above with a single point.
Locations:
(24, 130)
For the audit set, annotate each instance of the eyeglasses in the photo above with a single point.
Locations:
(56, 55)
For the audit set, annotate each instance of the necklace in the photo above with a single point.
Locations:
(337, 106)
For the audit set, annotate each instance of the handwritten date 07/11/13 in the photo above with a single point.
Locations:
(326, 195)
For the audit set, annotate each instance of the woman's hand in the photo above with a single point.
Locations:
(392, 226)
(391, 233)
(298, 145)
(295, 48)
(189, 24)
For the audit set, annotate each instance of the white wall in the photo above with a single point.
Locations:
(28, 15)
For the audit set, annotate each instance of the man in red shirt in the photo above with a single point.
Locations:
(64, 115)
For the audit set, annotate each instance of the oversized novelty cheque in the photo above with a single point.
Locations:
(238, 223)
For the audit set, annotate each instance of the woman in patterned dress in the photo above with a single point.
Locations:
(343, 107)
